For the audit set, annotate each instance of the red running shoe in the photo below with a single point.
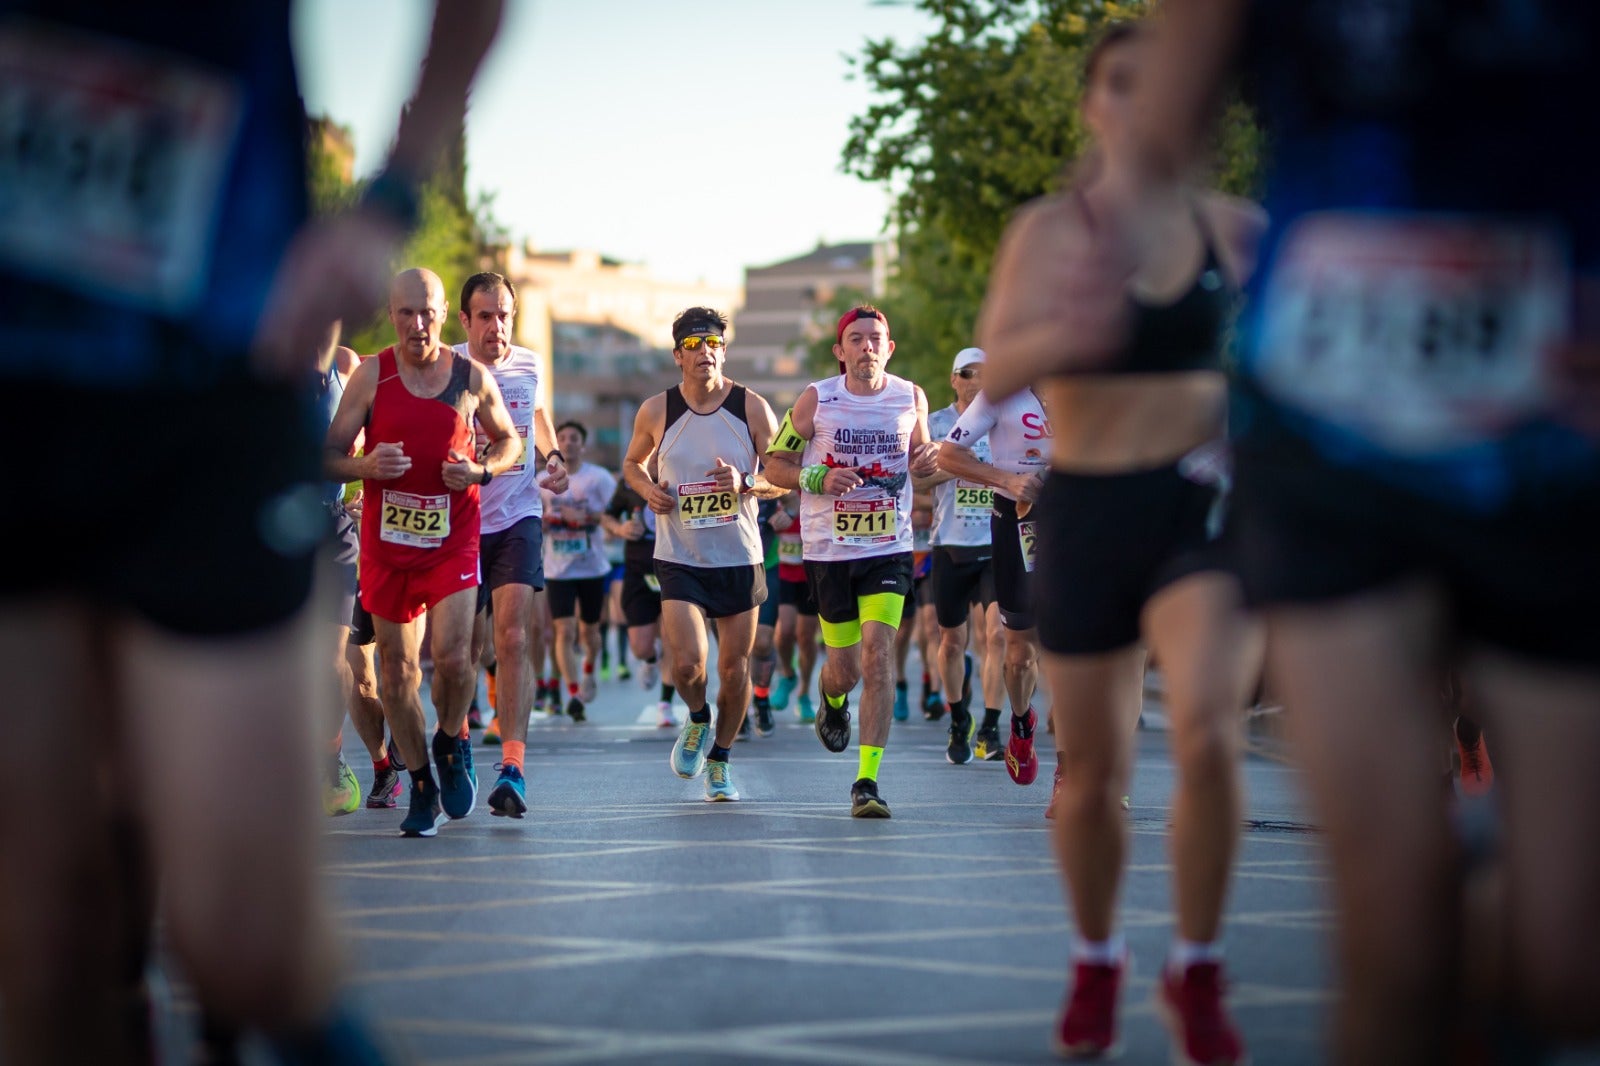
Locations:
(1021, 763)
(1191, 1008)
(1087, 1028)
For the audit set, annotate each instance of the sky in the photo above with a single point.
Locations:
(698, 137)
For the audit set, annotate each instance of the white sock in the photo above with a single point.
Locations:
(1185, 953)
(1101, 952)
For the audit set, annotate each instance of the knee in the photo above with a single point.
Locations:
(685, 675)
(1019, 656)
(454, 665)
(1091, 775)
(401, 675)
(513, 644)
(952, 642)
(733, 675)
(1206, 748)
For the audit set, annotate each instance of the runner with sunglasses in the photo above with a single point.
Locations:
(851, 444)
(704, 438)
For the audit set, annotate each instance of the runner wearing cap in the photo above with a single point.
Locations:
(851, 444)
(963, 576)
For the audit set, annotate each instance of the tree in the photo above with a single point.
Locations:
(968, 125)
(452, 238)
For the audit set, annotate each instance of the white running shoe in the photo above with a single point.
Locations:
(588, 689)
(650, 676)
(665, 719)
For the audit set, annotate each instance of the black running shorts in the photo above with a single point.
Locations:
(641, 593)
(1013, 584)
(962, 578)
(720, 591)
(584, 596)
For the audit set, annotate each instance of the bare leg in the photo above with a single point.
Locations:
(683, 633)
(735, 637)
(364, 706)
(399, 650)
(877, 674)
(807, 631)
(455, 669)
(514, 669)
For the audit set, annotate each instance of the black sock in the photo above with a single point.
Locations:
(1467, 731)
(900, 686)
(1020, 726)
(958, 708)
(764, 702)
(622, 644)
(666, 693)
(991, 718)
(718, 753)
(702, 716)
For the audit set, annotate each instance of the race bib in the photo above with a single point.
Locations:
(973, 501)
(415, 521)
(791, 550)
(865, 522)
(1030, 545)
(1421, 333)
(113, 160)
(569, 542)
(704, 503)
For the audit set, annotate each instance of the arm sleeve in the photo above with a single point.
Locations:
(974, 423)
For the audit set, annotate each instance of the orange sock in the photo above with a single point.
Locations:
(512, 751)
(492, 702)
(466, 730)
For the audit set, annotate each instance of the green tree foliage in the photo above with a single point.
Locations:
(452, 237)
(967, 125)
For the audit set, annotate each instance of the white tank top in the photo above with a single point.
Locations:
(708, 526)
(1018, 431)
(873, 435)
(513, 494)
(960, 508)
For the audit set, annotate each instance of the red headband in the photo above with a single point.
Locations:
(853, 314)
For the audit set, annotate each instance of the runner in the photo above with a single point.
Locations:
(1018, 431)
(416, 402)
(860, 436)
(764, 657)
(511, 523)
(630, 519)
(704, 437)
(576, 566)
(797, 630)
(963, 578)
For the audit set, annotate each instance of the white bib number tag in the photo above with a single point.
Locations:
(791, 550)
(974, 502)
(415, 521)
(569, 541)
(1030, 545)
(1421, 333)
(703, 503)
(112, 161)
(865, 522)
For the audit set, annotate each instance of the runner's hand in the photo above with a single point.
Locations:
(460, 472)
(354, 506)
(840, 480)
(659, 499)
(1024, 488)
(725, 474)
(925, 459)
(781, 520)
(555, 476)
(388, 461)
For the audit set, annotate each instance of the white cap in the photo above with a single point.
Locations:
(967, 357)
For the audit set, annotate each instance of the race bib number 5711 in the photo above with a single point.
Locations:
(1422, 333)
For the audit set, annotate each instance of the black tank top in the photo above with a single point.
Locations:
(1185, 334)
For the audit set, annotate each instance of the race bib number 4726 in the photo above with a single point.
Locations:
(1422, 333)
(112, 164)
(703, 503)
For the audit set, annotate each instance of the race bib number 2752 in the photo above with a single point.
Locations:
(1422, 333)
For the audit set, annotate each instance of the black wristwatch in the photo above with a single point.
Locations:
(747, 483)
(487, 476)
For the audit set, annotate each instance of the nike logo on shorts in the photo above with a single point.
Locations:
(468, 577)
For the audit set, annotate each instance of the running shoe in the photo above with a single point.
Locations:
(933, 707)
(764, 723)
(833, 726)
(587, 689)
(664, 716)
(689, 751)
(1087, 1028)
(342, 795)
(902, 705)
(1191, 1008)
(783, 690)
(1477, 772)
(425, 814)
(474, 716)
(385, 791)
(623, 673)
(509, 797)
(959, 750)
(804, 710)
(865, 801)
(575, 709)
(988, 747)
(1021, 763)
(491, 733)
(1055, 793)
(458, 788)
(719, 783)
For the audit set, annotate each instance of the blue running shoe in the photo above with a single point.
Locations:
(805, 710)
(783, 690)
(719, 783)
(689, 752)
(902, 703)
(509, 797)
(458, 786)
(425, 814)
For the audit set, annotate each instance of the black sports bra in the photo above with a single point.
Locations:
(1186, 334)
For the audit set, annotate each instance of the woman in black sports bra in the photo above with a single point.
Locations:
(1128, 523)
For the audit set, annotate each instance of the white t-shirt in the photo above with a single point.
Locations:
(960, 508)
(872, 434)
(1018, 431)
(572, 553)
(513, 494)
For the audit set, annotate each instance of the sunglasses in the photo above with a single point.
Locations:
(691, 344)
(967, 373)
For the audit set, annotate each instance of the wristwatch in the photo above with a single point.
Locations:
(747, 483)
(487, 475)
